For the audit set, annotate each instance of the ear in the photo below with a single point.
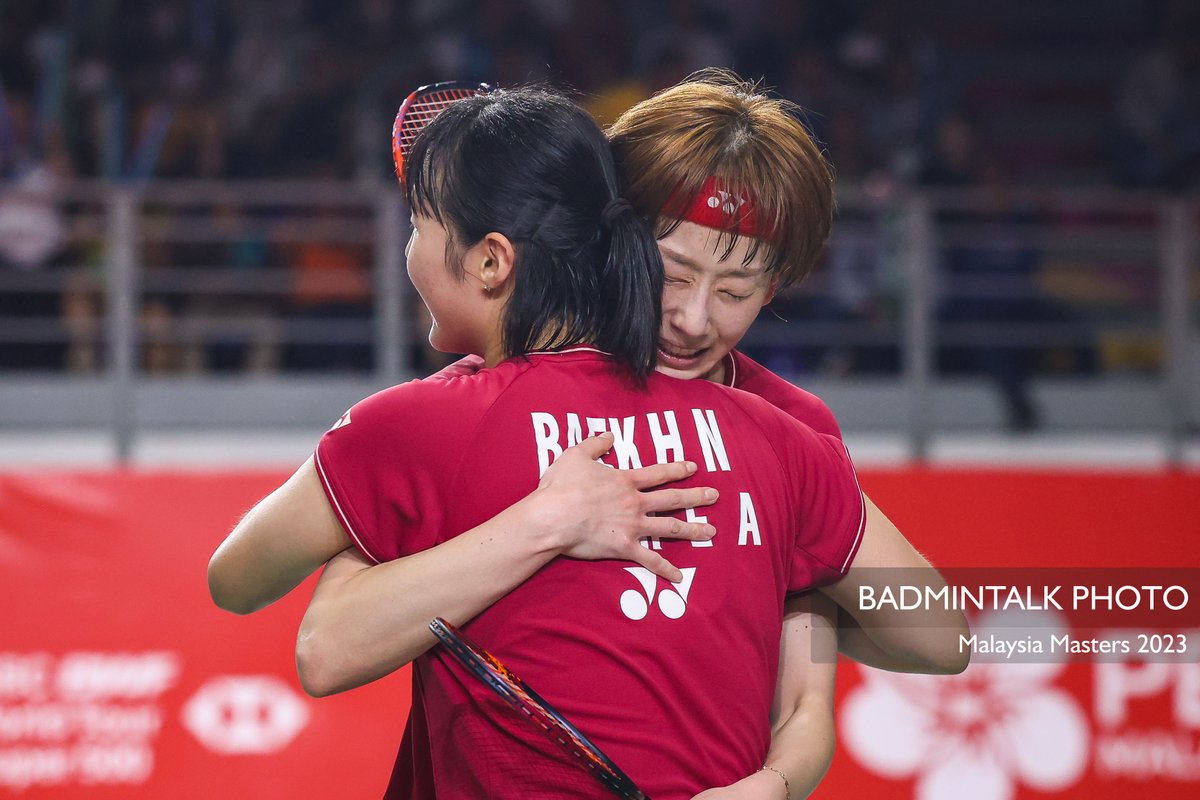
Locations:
(771, 290)
(494, 258)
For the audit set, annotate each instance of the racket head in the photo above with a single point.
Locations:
(530, 705)
(422, 106)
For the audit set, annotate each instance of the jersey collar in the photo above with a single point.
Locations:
(730, 370)
(577, 348)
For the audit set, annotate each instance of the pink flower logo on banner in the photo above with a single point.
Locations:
(245, 714)
(978, 734)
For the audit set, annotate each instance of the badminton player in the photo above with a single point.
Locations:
(719, 275)
(677, 353)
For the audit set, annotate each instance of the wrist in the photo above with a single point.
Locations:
(538, 518)
(778, 779)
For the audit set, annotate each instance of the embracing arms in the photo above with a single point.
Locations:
(802, 729)
(280, 542)
(581, 509)
(364, 621)
(923, 640)
(802, 726)
(293, 531)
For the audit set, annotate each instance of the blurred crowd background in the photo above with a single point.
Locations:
(931, 90)
(999, 107)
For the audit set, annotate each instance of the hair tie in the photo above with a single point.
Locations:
(613, 209)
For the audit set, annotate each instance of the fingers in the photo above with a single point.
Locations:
(672, 528)
(658, 474)
(594, 446)
(656, 564)
(678, 499)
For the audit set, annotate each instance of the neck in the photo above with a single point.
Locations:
(493, 350)
(493, 354)
(546, 341)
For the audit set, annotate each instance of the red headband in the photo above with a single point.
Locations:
(714, 206)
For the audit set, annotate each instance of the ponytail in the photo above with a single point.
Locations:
(631, 284)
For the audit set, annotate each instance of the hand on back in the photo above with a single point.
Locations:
(598, 512)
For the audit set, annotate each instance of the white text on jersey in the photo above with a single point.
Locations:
(663, 429)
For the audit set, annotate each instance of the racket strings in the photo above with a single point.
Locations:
(522, 699)
(509, 759)
(422, 110)
(518, 697)
(568, 750)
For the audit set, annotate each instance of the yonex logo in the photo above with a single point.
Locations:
(671, 602)
(727, 201)
(343, 421)
(245, 714)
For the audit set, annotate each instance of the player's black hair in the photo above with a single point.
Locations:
(530, 164)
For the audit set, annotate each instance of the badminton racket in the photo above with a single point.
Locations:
(529, 705)
(422, 106)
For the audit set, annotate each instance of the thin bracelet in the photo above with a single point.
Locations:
(787, 785)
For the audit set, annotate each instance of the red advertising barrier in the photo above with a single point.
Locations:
(118, 678)
(1125, 726)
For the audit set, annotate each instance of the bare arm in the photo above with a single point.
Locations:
(279, 543)
(365, 621)
(857, 644)
(925, 640)
(802, 727)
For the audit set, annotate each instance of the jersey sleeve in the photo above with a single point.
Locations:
(832, 512)
(376, 465)
(743, 372)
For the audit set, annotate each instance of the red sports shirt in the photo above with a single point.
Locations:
(743, 372)
(674, 683)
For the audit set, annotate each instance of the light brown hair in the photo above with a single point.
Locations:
(714, 124)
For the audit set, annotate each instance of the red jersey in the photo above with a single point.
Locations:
(743, 372)
(674, 682)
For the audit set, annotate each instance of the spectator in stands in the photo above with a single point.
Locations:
(330, 302)
(33, 234)
(1158, 109)
(954, 162)
(695, 31)
(234, 329)
(989, 280)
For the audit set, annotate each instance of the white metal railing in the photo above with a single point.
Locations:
(907, 232)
